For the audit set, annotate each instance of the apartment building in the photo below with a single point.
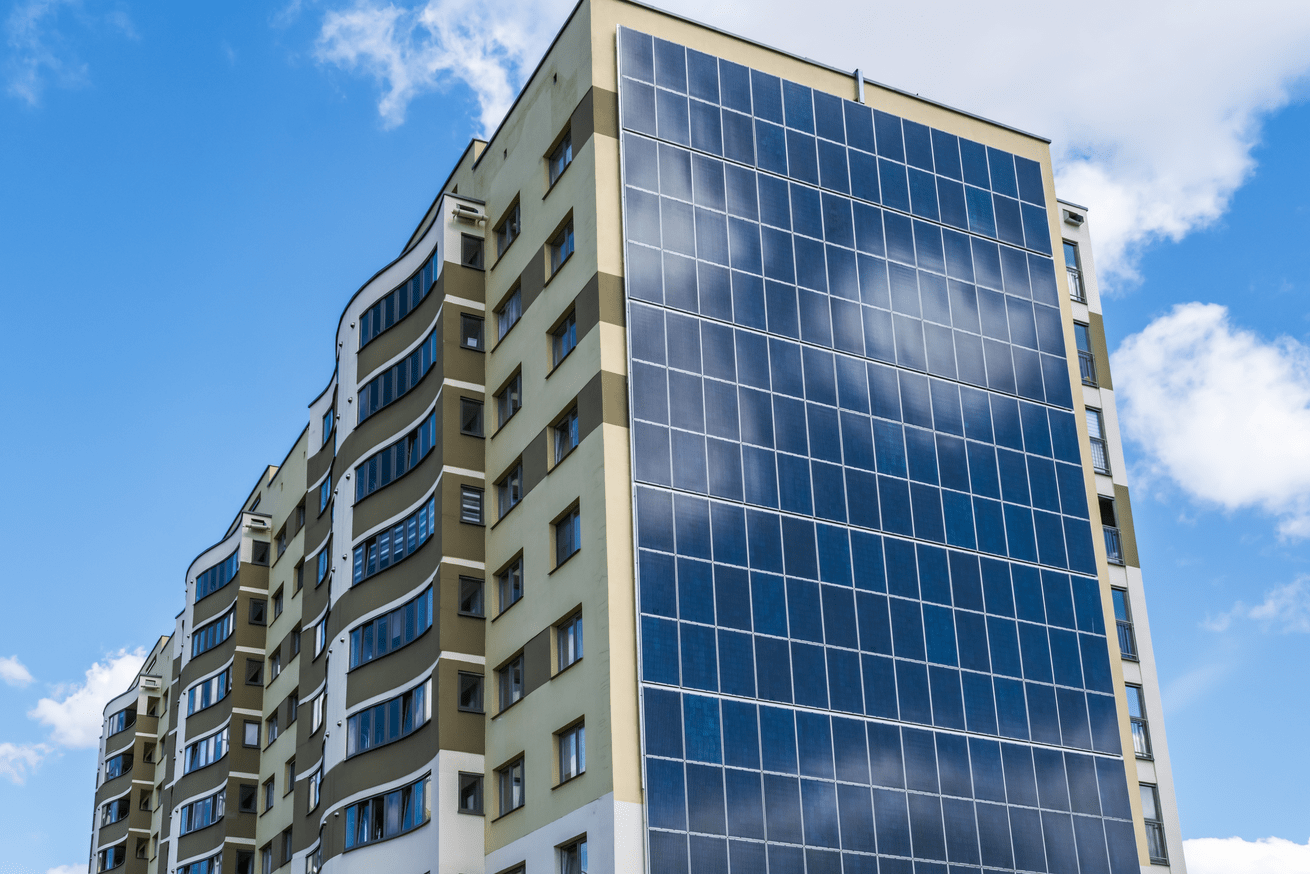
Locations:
(710, 484)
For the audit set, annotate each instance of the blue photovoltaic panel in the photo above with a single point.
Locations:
(871, 629)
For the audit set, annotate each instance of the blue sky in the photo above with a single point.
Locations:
(189, 195)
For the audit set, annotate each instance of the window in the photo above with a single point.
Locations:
(293, 707)
(390, 631)
(201, 813)
(212, 865)
(250, 734)
(218, 576)
(1137, 716)
(271, 729)
(1124, 620)
(470, 793)
(324, 494)
(511, 682)
(470, 505)
(396, 460)
(564, 339)
(509, 313)
(208, 750)
(266, 859)
(1113, 543)
(209, 692)
(568, 536)
(1073, 264)
(470, 692)
(118, 765)
(144, 799)
(121, 721)
(572, 752)
(317, 712)
(281, 540)
(320, 637)
(1086, 360)
(511, 786)
(314, 786)
(398, 379)
(245, 862)
(259, 552)
(113, 811)
(508, 230)
(247, 796)
(510, 399)
(329, 422)
(561, 157)
(568, 640)
(471, 252)
(1096, 431)
(470, 417)
(399, 303)
(1155, 845)
(470, 332)
(384, 816)
(389, 721)
(321, 571)
(270, 793)
(286, 846)
(254, 672)
(561, 248)
(509, 584)
(258, 611)
(573, 857)
(300, 576)
(471, 601)
(509, 491)
(566, 435)
(300, 515)
(206, 637)
(386, 548)
(111, 857)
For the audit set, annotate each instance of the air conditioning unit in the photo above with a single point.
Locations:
(150, 683)
(1073, 218)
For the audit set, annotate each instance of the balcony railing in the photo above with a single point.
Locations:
(1087, 367)
(1127, 640)
(1076, 290)
(1100, 457)
(1155, 846)
(1141, 739)
(1113, 545)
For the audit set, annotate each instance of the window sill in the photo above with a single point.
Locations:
(505, 515)
(557, 271)
(568, 780)
(507, 708)
(550, 186)
(471, 813)
(509, 813)
(560, 363)
(563, 458)
(566, 667)
(564, 562)
(502, 613)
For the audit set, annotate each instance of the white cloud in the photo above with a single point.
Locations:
(1222, 412)
(413, 51)
(1237, 856)
(37, 50)
(18, 760)
(76, 716)
(1285, 608)
(14, 672)
(1153, 109)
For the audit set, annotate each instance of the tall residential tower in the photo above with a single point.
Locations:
(724, 478)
